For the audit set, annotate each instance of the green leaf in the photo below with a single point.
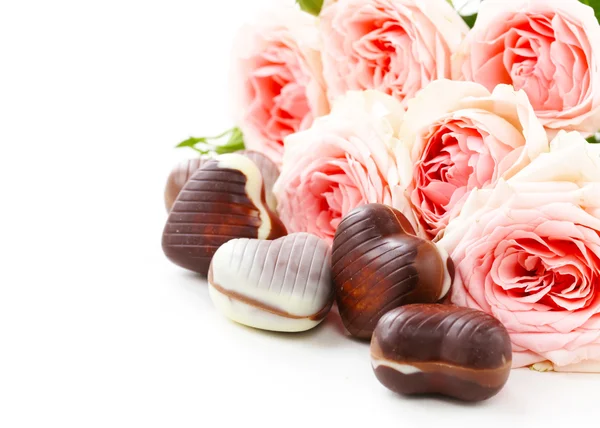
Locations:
(235, 143)
(190, 142)
(311, 6)
(594, 139)
(214, 145)
(594, 4)
(470, 20)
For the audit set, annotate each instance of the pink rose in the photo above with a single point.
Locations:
(276, 80)
(459, 137)
(548, 48)
(394, 46)
(528, 252)
(344, 160)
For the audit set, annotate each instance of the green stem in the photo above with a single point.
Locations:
(212, 145)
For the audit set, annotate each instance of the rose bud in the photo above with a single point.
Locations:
(441, 349)
(378, 265)
(184, 170)
(281, 285)
(223, 200)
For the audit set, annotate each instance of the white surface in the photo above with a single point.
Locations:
(97, 328)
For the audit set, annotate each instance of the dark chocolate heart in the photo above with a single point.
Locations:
(180, 175)
(379, 265)
(223, 200)
(184, 171)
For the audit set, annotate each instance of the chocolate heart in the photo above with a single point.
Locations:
(184, 171)
(180, 175)
(223, 200)
(378, 265)
(281, 285)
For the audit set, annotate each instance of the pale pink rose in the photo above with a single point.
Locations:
(528, 252)
(548, 48)
(343, 161)
(459, 137)
(394, 46)
(277, 85)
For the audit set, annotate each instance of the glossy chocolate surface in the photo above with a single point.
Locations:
(378, 265)
(183, 171)
(213, 208)
(441, 349)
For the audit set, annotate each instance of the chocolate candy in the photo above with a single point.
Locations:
(281, 285)
(179, 176)
(223, 200)
(379, 265)
(184, 170)
(441, 349)
(270, 173)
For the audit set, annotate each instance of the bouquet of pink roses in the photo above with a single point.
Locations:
(389, 145)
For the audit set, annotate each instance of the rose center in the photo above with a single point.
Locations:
(447, 169)
(549, 274)
(543, 57)
(382, 44)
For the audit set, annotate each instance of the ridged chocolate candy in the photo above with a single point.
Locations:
(281, 285)
(441, 349)
(184, 171)
(223, 200)
(378, 265)
(180, 175)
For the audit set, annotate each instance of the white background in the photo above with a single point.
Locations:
(97, 328)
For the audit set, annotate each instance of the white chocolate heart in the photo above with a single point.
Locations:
(281, 285)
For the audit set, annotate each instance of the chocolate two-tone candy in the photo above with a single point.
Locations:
(184, 171)
(282, 285)
(223, 200)
(441, 349)
(270, 173)
(379, 265)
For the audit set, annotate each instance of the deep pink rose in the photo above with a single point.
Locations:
(277, 86)
(344, 160)
(459, 137)
(548, 48)
(528, 252)
(394, 46)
